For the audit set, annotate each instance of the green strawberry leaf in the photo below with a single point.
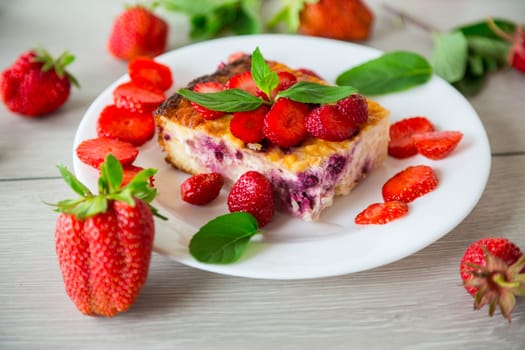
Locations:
(391, 72)
(231, 100)
(483, 29)
(224, 239)
(73, 182)
(308, 92)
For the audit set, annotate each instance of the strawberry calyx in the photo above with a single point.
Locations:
(58, 65)
(498, 284)
(109, 188)
(516, 55)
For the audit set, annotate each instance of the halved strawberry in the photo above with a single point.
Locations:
(248, 126)
(125, 125)
(94, 151)
(136, 98)
(382, 213)
(309, 72)
(401, 143)
(409, 184)
(354, 107)
(284, 124)
(207, 87)
(201, 189)
(437, 144)
(243, 81)
(146, 72)
(327, 123)
(286, 80)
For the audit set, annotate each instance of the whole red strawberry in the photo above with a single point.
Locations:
(253, 193)
(37, 84)
(104, 241)
(138, 32)
(491, 270)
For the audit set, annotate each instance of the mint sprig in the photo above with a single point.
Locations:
(224, 239)
(231, 100)
(265, 79)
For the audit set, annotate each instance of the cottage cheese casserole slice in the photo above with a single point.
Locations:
(306, 178)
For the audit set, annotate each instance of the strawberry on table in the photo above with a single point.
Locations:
(492, 272)
(125, 125)
(328, 123)
(37, 84)
(137, 31)
(104, 241)
(410, 183)
(248, 126)
(207, 87)
(437, 144)
(382, 213)
(137, 98)
(401, 144)
(253, 193)
(201, 189)
(94, 151)
(284, 124)
(146, 72)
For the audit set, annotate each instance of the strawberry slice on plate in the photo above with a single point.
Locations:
(94, 151)
(146, 72)
(410, 183)
(207, 87)
(284, 124)
(401, 143)
(437, 144)
(136, 98)
(125, 125)
(382, 213)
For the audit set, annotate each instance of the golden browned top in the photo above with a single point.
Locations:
(309, 153)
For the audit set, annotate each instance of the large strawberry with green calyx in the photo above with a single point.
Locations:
(104, 241)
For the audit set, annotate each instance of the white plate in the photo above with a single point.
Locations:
(291, 248)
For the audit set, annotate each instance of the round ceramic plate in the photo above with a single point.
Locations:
(335, 245)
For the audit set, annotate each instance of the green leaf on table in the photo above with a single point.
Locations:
(308, 92)
(493, 49)
(224, 239)
(248, 20)
(449, 58)
(483, 29)
(231, 100)
(391, 72)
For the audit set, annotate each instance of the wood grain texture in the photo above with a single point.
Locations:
(415, 303)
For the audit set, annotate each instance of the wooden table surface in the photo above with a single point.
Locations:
(415, 303)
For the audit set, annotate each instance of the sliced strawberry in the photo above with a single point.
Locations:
(94, 151)
(401, 143)
(354, 107)
(286, 80)
(136, 98)
(146, 72)
(125, 125)
(409, 184)
(207, 87)
(284, 124)
(243, 81)
(130, 171)
(327, 123)
(201, 189)
(382, 213)
(437, 144)
(248, 126)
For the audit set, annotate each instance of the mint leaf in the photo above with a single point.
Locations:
(231, 100)
(224, 239)
(308, 92)
(483, 29)
(264, 78)
(391, 72)
(449, 57)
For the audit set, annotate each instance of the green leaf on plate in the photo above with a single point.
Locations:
(391, 72)
(224, 239)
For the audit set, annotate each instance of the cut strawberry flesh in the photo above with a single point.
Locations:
(382, 213)
(146, 72)
(125, 125)
(243, 81)
(136, 98)
(248, 126)
(207, 87)
(401, 143)
(437, 144)
(410, 183)
(94, 151)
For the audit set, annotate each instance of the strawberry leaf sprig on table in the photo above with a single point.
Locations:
(210, 18)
